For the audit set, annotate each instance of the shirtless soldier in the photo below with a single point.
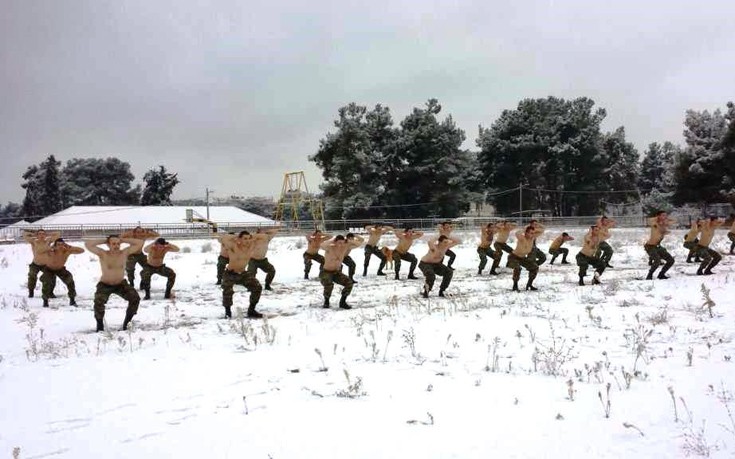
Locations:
(431, 264)
(405, 240)
(58, 253)
(222, 260)
(445, 229)
(154, 265)
(240, 248)
(137, 257)
(731, 235)
(588, 255)
(371, 248)
(522, 257)
(501, 244)
(259, 260)
(314, 241)
(659, 228)
(334, 253)
(538, 254)
(347, 260)
(710, 257)
(691, 241)
(556, 249)
(484, 250)
(605, 250)
(112, 263)
(40, 243)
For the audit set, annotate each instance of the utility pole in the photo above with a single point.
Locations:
(207, 194)
(520, 202)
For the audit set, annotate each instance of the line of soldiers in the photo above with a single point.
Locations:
(242, 255)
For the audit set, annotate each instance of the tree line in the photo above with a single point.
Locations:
(50, 188)
(554, 148)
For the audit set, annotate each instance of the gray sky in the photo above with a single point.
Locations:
(233, 94)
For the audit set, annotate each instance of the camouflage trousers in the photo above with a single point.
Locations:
(134, 259)
(710, 259)
(33, 270)
(308, 257)
(563, 251)
(585, 261)
(48, 282)
(123, 290)
(351, 266)
(247, 280)
(221, 265)
(529, 262)
(484, 253)
(163, 270)
(329, 278)
(398, 256)
(265, 266)
(373, 250)
(500, 247)
(731, 236)
(658, 253)
(451, 256)
(431, 270)
(604, 252)
(538, 255)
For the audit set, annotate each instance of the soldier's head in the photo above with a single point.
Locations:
(244, 235)
(490, 225)
(60, 244)
(565, 236)
(407, 230)
(661, 215)
(138, 231)
(350, 236)
(339, 239)
(113, 241)
(41, 235)
(160, 241)
(529, 230)
(317, 232)
(443, 238)
(446, 224)
(594, 229)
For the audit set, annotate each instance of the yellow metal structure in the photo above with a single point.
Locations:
(295, 194)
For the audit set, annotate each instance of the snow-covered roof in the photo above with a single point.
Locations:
(142, 215)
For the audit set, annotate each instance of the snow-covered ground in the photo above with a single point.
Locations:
(630, 368)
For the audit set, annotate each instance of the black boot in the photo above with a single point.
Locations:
(228, 312)
(699, 272)
(45, 303)
(581, 280)
(128, 318)
(364, 272)
(147, 295)
(326, 304)
(515, 286)
(52, 295)
(425, 291)
(381, 273)
(565, 262)
(411, 276)
(253, 314)
(494, 273)
(343, 303)
(72, 301)
(268, 287)
(167, 295)
(353, 280)
(529, 286)
(441, 293)
(100, 325)
(596, 279)
(662, 276)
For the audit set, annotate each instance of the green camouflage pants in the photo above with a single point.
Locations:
(658, 253)
(693, 247)
(604, 252)
(33, 270)
(123, 290)
(584, 262)
(329, 278)
(563, 251)
(398, 256)
(529, 262)
(484, 253)
(350, 263)
(710, 259)
(431, 270)
(263, 265)
(163, 270)
(221, 265)
(133, 259)
(499, 247)
(247, 280)
(373, 250)
(48, 281)
(539, 257)
(307, 262)
(451, 256)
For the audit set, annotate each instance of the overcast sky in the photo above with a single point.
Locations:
(233, 94)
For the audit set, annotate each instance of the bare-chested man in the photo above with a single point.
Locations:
(240, 248)
(431, 264)
(259, 260)
(691, 241)
(445, 229)
(222, 260)
(731, 235)
(522, 257)
(501, 244)
(538, 254)
(58, 253)
(371, 248)
(314, 242)
(556, 249)
(40, 243)
(334, 253)
(485, 250)
(405, 240)
(112, 263)
(659, 228)
(710, 257)
(588, 255)
(605, 250)
(347, 260)
(154, 265)
(137, 257)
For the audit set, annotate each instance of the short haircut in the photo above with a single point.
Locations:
(659, 213)
(350, 236)
(446, 222)
(713, 218)
(317, 231)
(58, 240)
(243, 233)
(442, 238)
(407, 228)
(565, 234)
(161, 241)
(111, 236)
(339, 237)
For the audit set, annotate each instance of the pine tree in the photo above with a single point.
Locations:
(43, 189)
(98, 182)
(159, 185)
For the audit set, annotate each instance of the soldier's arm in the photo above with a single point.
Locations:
(75, 250)
(93, 246)
(172, 247)
(388, 229)
(272, 231)
(53, 235)
(148, 248)
(357, 241)
(151, 234)
(454, 241)
(134, 245)
(326, 244)
(417, 234)
(126, 233)
(369, 228)
(28, 236)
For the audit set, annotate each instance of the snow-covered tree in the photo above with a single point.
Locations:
(159, 185)
(43, 189)
(95, 181)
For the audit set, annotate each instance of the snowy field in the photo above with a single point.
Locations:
(631, 368)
